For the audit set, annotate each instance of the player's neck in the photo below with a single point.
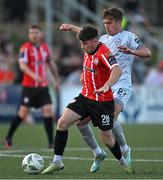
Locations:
(94, 51)
(116, 32)
(37, 44)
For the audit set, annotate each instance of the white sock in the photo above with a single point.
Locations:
(123, 162)
(97, 151)
(57, 158)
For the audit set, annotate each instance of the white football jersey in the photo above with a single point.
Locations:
(123, 38)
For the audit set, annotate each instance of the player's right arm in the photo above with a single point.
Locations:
(111, 63)
(23, 64)
(135, 47)
(70, 27)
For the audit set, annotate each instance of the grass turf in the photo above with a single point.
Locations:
(147, 150)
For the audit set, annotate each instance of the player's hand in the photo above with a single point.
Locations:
(125, 49)
(103, 89)
(38, 79)
(65, 27)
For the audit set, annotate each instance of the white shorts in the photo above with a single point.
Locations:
(121, 95)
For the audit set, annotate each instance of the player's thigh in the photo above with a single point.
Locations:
(118, 108)
(121, 96)
(68, 118)
(47, 110)
(107, 137)
(23, 111)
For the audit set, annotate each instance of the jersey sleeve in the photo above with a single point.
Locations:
(108, 59)
(23, 54)
(134, 41)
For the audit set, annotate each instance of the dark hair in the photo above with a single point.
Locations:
(35, 26)
(87, 33)
(113, 13)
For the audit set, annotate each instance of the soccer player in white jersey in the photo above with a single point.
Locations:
(124, 45)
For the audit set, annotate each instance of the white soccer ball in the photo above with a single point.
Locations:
(33, 163)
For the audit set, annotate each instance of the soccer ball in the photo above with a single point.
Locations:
(32, 163)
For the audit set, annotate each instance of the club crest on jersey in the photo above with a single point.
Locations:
(118, 42)
(96, 61)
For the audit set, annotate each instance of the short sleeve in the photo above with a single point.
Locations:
(134, 41)
(23, 54)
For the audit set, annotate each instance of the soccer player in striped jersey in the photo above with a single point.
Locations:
(124, 45)
(34, 59)
(100, 72)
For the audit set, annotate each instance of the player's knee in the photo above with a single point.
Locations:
(109, 141)
(22, 114)
(62, 124)
(47, 112)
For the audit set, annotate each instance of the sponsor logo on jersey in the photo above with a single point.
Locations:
(89, 69)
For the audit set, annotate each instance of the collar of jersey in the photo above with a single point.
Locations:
(93, 52)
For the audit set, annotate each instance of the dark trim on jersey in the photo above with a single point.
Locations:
(93, 52)
(112, 60)
(21, 55)
(142, 45)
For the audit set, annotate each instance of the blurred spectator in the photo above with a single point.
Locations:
(15, 10)
(155, 76)
(136, 13)
(7, 73)
(70, 57)
(74, 77)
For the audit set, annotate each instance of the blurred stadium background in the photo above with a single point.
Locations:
(143, 17)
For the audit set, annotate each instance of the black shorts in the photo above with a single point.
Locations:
(101, 113)
(35, 97)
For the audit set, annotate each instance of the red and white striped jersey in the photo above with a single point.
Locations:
(36, 58)
(96, 71)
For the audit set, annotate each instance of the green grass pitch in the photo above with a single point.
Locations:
(147, 151)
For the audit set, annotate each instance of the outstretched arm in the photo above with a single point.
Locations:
(143, 51)
(70, 27)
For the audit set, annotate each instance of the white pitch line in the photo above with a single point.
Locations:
(76, 149)
(83, 158)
